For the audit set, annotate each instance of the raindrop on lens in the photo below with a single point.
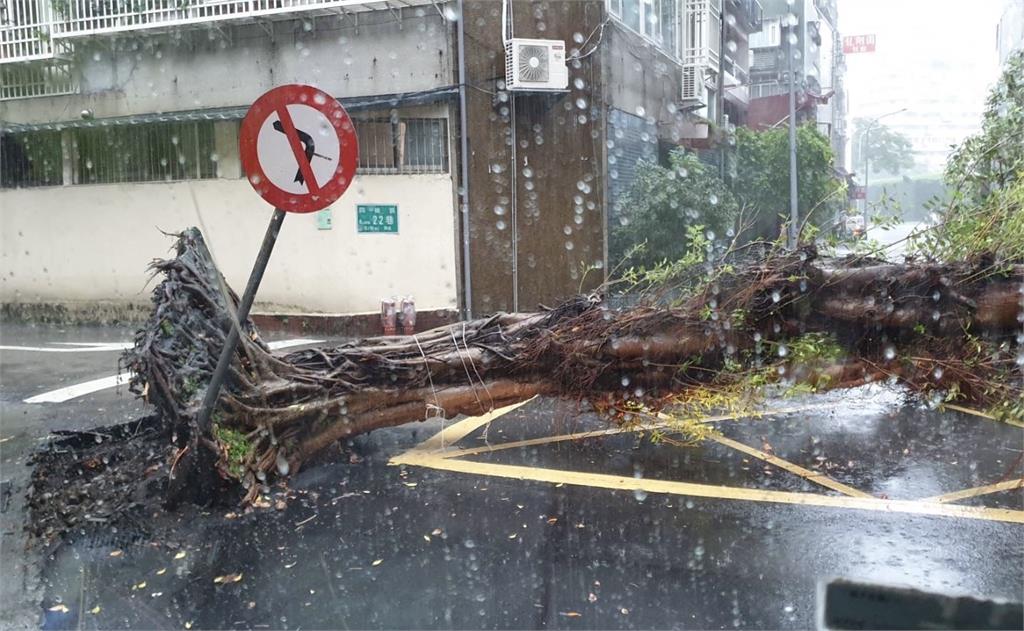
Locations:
(783, 351)
(890, 353)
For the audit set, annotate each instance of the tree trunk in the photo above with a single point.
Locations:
(933, 326)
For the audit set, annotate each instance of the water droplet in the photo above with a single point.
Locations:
(569, 245)
(789, 609)
(499, 210)
(890, 352)
(578, 83)
(710, 234)
(567, 230)
(625, 381)
(319, 98)
(640, 111)
(500, 225)
(469, 543)
(581, 103)
(937, 373)
(282, 464)
(776, 296)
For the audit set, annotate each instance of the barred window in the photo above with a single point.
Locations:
(407, 145)
(31, 159)
(152, 152)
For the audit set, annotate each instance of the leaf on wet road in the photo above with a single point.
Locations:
(228, 578)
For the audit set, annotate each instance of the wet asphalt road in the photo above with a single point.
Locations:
(366, 544)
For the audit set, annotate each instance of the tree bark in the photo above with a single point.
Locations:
(276, 412)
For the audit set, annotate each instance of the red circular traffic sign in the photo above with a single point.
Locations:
(299, 148)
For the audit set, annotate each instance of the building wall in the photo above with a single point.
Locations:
(93, 242)
(200, 69)
(536, 194)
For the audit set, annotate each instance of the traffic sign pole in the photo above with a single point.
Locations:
(297, 122)
(235, 331)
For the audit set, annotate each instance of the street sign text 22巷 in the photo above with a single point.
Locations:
(377, 217)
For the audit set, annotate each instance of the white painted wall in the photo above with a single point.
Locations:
(93, 242)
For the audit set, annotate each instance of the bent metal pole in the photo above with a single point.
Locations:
(237, 322)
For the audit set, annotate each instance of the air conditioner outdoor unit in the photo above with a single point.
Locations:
(535, 65)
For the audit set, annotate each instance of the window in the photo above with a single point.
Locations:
(425, 144)
(669, 29)
(631, 14)
(649, 23)
(151, 152)
(145, 152)
(31, 159)
(402, 145)
(656, 20)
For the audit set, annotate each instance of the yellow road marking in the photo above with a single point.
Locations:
(1006, 485)
(460, 430)
(466, 426)
(577, 478)
(807, 474)
(544, 440)
(980, 414)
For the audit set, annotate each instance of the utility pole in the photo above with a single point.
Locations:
(794, 213)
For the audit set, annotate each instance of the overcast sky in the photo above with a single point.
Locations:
(937, 58)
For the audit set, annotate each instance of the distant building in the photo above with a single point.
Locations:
(818, 63)
(1010, 30)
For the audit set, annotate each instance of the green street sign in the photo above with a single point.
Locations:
(377, 218)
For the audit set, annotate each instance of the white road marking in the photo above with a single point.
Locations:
(61, 395)
(80, 389)
(77, 347)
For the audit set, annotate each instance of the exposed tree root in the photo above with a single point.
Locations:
(947, 327)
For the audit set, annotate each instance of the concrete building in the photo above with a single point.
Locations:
(808, 28)
(1010, 30)
(121, 120)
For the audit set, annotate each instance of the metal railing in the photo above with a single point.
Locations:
(23, 81)
(402, 146)
(25, 30)
(28, 28)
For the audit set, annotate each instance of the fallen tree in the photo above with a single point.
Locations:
(936, 327)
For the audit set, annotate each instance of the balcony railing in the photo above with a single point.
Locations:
(29, 28)
(25, 30)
